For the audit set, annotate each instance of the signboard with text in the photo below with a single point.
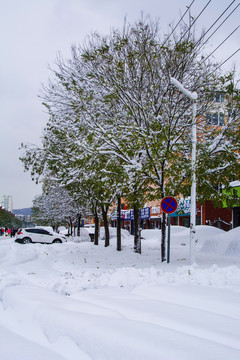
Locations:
(234, 193)
(184, 208)
(144, 214)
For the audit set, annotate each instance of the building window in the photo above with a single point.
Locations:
(215, 119)
(220, 97)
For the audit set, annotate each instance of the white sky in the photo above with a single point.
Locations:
(33, 31)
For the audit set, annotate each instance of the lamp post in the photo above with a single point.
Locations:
(192, 96)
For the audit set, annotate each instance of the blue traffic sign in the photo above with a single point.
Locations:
(169, 204)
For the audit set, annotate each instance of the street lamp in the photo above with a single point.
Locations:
(192, 96)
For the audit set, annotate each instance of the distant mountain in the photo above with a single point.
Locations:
(25, 211)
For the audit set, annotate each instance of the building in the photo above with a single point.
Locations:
(217, 116)
(25, 218)
(7, 202)
(235, 192)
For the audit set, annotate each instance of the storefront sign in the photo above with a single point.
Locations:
(145, 213)
(235, 194)
(155, 211)
(183, 209)
(126, 214)
(129, 215)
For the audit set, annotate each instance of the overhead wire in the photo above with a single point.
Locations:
(221, 23)
(222, 63)
(194, 21)
(216, 31)
(188, 8)
(214, 23)
(223, 42)
(219, 17)
(227, 59)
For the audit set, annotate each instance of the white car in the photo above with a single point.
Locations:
(38, 235)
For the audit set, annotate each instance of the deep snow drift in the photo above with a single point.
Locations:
(78, 301)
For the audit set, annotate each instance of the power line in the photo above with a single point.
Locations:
(227, 59)
(188, 8)
(222, 42)
(220, 24)
(216, 22)
(194, 20)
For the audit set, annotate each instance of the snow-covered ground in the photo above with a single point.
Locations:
(78, 301)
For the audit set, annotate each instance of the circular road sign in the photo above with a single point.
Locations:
(169, 204)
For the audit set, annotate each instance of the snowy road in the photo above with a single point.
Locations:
(67, 302)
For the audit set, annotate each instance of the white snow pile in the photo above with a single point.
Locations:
(226, 243)
(80, 301)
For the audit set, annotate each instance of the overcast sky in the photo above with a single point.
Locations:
(34, 31)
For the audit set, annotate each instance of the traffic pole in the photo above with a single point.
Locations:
(168, 244)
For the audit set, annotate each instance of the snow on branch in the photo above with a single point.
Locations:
(189, 94)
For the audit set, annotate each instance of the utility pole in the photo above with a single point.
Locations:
(193, 238)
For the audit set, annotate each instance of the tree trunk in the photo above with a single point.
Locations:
(70, 224)
(105, 221)
(137, 231)
(119, 245)
(78, 224)
(96, 228)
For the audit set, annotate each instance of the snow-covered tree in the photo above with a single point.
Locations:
(55, 207)
(129, 105)
(113, 100)
(151, 126)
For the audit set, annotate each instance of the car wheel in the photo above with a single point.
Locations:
(57, 241)
(26, 240)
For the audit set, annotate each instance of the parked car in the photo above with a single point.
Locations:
(38, 235)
